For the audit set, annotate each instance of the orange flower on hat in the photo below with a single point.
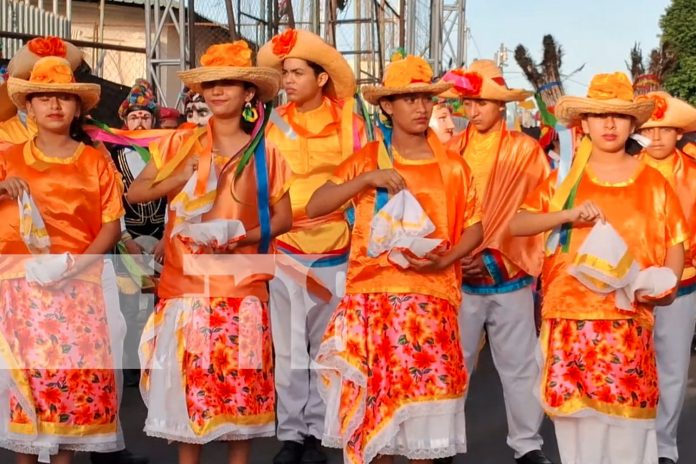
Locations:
(660, 106)
(611, 86)
(235, 53)
(48, 46)
(410, 70)
(284, 43)
(50, 71)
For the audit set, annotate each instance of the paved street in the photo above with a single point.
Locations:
(486, 428)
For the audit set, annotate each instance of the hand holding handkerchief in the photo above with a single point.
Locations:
(604, 264)
(217, 233)
(47, 269)
(399, 228)
(31, 226)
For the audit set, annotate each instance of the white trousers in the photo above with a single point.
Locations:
(674, 330)
(589, 440)
(509, 321)
(298, 323)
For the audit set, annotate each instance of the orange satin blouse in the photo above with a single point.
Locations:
(242, 206)
(644, 210)
(445, 189)
(74, 195)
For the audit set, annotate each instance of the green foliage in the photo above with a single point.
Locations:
(679, 33)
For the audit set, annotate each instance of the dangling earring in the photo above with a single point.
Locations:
(249, 114)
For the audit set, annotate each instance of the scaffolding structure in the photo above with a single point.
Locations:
(365, 31)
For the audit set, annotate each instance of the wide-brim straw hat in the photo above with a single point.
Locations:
(409, 75)
(232, 61)
(266, 80)
(26, 57)
(482, 81)
(52, 75)
(607, 94)
(304, 45)
(670, 112)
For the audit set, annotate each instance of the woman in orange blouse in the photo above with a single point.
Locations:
(599, 380)
(60, 390)
(394, 373)
(206, 351)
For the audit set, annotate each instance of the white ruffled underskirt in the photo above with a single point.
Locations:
(418, 430)
(167, 412)
(45, 446)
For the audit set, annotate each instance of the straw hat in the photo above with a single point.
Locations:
(52, 75)
(482, 81)
(670, 112)
(297, 43)
(608, 94)
(26, 57)
(232, 61)
(411, 74)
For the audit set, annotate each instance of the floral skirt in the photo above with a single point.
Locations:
(599, 367)
(57, 384)
(208, 370)
(394, 378)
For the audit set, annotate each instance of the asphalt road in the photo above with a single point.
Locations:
(486, 429)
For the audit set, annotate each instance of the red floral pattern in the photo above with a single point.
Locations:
(608, 366)
(61, 342)
(405, 346)
(227, 363)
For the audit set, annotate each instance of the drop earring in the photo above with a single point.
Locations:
(249, 114)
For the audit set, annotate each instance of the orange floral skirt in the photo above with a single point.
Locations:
(208, 370)
(601, 366)
(57, 375)
(393, 378)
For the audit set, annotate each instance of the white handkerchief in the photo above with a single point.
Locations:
(188, 206)
(401, 225)
(604, 265)
(215, 233)
(46, 269)
(31, 226)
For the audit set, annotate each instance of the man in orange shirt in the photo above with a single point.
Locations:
(674, 324)
(315, 132)
(498, 276)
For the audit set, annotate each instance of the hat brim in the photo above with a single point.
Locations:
(570, 110)
(374, 93)
(310, 47)
(7, 108)
(19, 89)
(265, 79)
(679, 115)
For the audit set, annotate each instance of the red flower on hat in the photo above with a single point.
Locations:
(466, 84)
(284, 43)
(48, 46)
(660, 106)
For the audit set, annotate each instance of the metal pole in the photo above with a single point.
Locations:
(68, 9)
(191, 34)
(436, 35)
(230, 20)
(410, 15)
(463, 33)
(148, 40)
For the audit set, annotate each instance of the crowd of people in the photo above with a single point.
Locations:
(327, 271)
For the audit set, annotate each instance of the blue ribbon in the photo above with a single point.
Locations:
(382, 195)
(565, 139)
(262, 195)
(549, 86)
